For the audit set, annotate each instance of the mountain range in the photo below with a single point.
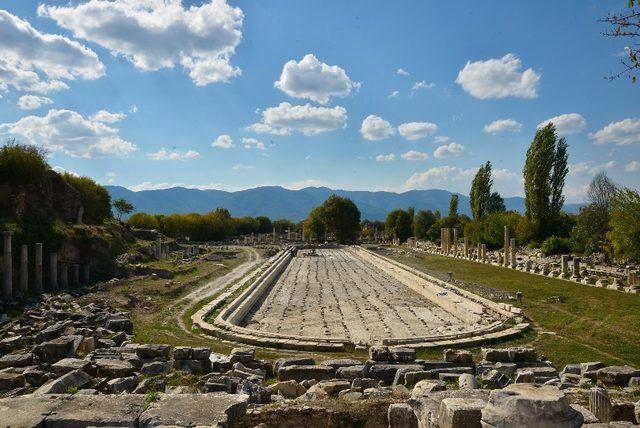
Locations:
(277, 202)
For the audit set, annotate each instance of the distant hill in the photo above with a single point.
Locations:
(278, 202)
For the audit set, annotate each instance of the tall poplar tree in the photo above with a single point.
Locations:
(545, 170)
(480, 195)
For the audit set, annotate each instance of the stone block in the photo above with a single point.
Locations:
(155, 368)
(467, 381)
(304, 372)
(402, 355)
(182, 353)
(386, 372)
(343, 362)
(460, 413)
(120, 324)
(81, 410)
(150, 351)
(123, 384)
(401, 415)
(67, 365)
(114, 368)
(9, 381)
(201, 353)
(294, 361)
(379, 353)
(458, 356)
(16, 360)
(76, 379)
(617, 375)
(193, 366)
(27, 410)
(242, 355)
(350, 373)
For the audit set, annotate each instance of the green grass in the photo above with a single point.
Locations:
(573, 322)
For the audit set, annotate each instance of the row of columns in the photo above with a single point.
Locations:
(23, 284)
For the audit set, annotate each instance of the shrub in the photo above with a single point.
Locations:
(22, 164)
(143, 221)
(95, 198)
(555, 245)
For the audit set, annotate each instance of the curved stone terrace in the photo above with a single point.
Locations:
(339, 298)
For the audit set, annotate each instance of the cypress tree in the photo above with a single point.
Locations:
(480, 194)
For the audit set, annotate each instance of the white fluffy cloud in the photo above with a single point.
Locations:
(413, 155)
(71, 133)
(448, 150)
(421, 85)
(148, 185)
(37, 62)
(633, 166)
(439, 139)
(393, 94)
(566, 124)
(32, 102)
(173, 155)
(241, 166)
(285, 119)
(416, 130)
(105, 116)
(502, 174)
(499, 78)
(386, 158)
(155, 34)
(437, 176)
(314, 80)
(375, 128)
(223, 141)
(625, 132)
(502, 125)
(253, 143)
(590, 167)
(402, 72)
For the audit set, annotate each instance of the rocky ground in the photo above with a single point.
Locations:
(70, 364)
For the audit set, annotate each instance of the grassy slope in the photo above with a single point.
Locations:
(573, 322)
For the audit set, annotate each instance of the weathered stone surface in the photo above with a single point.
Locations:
(201, 353)
(16, 360)
(182, 353)
(155, 368)
(400, 415)
(379, 353)
(300, 373)
(149, 351)
(193, 366)
(343, 362)
(334, 386)
(363, 383)
(351, 372)
(426, 387)
(9, 381)
(617, 375)
(294, 361)
(467, 381)
(67, 365)
(114, 368)
(120, 324)
(63, 385)
(258, 394)
(57, 349)
(531, 406)
(460, 413)
(314, 393)
(495, 379)
(509, 355)
(123, 384)
(590, 367)
(81, 410)
(288, 389)
(242, 355)
(427, 407)
(458, 356)
(402, 355)
(26, 411)
(387, 372)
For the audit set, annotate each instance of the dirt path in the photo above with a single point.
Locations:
(212, 287)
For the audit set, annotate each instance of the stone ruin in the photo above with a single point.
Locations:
(597, 275)
(68, 364)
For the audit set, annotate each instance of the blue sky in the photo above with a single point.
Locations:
(369, 95)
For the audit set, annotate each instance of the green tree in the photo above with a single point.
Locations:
(342, 218)
(95, 198)
(399, 224)
(480, 195)
(544, 174)
(314, 225)
(624, 231)
(453, 206)
(122, 206)
(422, 222)
(495, 204)
(22, 164)
(283, 224)
(264, 224)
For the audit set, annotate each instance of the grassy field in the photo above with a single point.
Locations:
(572, 322)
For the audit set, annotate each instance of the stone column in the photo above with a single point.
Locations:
(76, 274)
(53, 280)
(86, 272)
(38, 267)
(64, 275)
(442, 240)
(576, 268)
(512, 248)
(479, 252)
(564, 266)
(24, 269)
(7, 270)
(483, 247)
(455, 242)
(506, 246)
(600, 404)
(466, 247)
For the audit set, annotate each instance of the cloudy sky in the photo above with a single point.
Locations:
(366, 95)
